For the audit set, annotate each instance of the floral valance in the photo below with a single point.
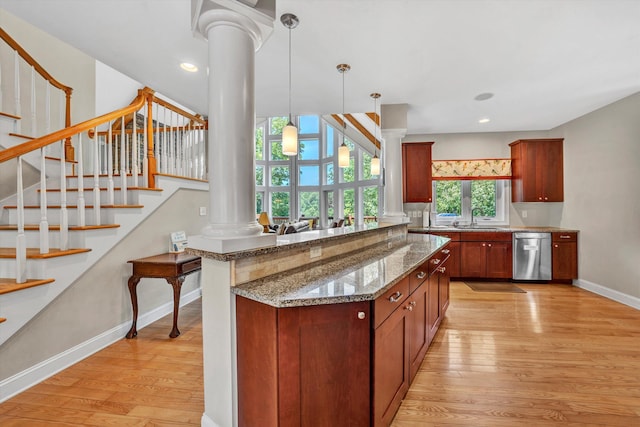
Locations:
(471, 169)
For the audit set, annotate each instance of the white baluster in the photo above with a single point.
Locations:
(47, 112)
(44, 223)
(188, 165)
(145, 147)
(158, 146)
(64, 215)
(1, 97)
(21, 241)
(16, 88)
(110, 190)
(34, 131)
(96, 178)
(123, 162)
(165, 148)
(134, 148)
(81, 202)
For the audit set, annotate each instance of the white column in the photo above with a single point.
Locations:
(392, 160)
(233, 39)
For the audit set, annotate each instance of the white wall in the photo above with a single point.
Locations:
(602, 193)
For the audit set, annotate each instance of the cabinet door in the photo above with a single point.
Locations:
(418, 309)
(324, 365)
(390, 368)
(564, 260)
(416, 172)
(453, 264)
(499, 260)
(443, 287)
(434, 305)
(472, 259)
(550, 155)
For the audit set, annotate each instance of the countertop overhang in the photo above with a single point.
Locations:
(358, 276)
(490, 229)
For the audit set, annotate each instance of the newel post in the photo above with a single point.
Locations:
(151, 160)
(68, 147)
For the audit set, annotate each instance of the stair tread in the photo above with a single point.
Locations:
(57, 190)
(9, 284)
(19, 135)
(76, 207)
(2, 319)
(12, 116)
(57, 227)
(58, 159)
(34, 253)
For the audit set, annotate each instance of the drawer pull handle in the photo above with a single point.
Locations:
(446, 251)
(436, 261)
(442, 269)
(562, 236)
(421, 275)
(395, 297)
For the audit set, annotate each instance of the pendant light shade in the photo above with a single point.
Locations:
(343, 151)
(375, 161)
(290, 132)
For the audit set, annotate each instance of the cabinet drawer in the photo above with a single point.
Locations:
(479, 236)
(439, 259)
(564, 237)
(455, 237)
(418, 276)
(187, 267)
(390, 300)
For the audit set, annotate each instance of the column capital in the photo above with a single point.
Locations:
(210, 13)
(394, 134)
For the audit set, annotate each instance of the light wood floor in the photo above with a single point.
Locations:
(554, 356)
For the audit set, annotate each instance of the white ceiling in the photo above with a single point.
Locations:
(546, 61)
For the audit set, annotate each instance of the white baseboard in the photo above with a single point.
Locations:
(43, 370)
(205, 421)
(612, 294)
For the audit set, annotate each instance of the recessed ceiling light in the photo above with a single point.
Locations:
(483, 96)
(484, 120)
(189, 67)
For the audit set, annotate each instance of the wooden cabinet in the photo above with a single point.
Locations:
(486, 255)
(564, 255)
(537, 170)
(416, 172)
(303, 363)
(418, 330)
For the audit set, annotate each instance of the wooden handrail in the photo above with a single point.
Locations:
(178, 110)
(35, 144)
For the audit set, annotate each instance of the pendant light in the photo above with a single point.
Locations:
(343, 151)
(375, 161)
(290, 132)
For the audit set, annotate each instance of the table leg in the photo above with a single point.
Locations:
(133, 283)
(176, 282)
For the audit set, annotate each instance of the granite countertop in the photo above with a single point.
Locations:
(295, 240)
(361, 276)
(487, 229)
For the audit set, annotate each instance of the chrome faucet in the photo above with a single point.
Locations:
(473, 220)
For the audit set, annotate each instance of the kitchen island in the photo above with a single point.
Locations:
(336, 337)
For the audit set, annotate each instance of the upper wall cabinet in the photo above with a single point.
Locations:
(536, 170)
(416, 172)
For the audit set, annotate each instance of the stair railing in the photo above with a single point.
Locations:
(127, 149)
(35, 69)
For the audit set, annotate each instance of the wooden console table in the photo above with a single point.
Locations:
(170, 266)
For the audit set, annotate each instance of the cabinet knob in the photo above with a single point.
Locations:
(546, 198)
(489, 244)
(442, 269)
(539, 198)
(555, 246)
(362, 315)
(413, 303)
(484, 244)
(408, 307)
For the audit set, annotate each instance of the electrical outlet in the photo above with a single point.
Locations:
(419, 214)
(524, 214)
(315, 252)
(203, 211)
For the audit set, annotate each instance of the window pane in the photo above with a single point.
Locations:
(329, 206)
(370, 196)
(308, 149)
(448, 198)
(483, 197)
(309, 175)
(348, 172)
(328, 150)
(309, 204)
(259, 202)
(259, 175)
(366, 166)
(259, 143)
(349, 144)
(276, 151)
(280, 206)
(349, 200)
(309, 124)
(328, 173)
(276, 124)
(280, 175)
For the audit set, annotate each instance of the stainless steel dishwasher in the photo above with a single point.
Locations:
(531, 256)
